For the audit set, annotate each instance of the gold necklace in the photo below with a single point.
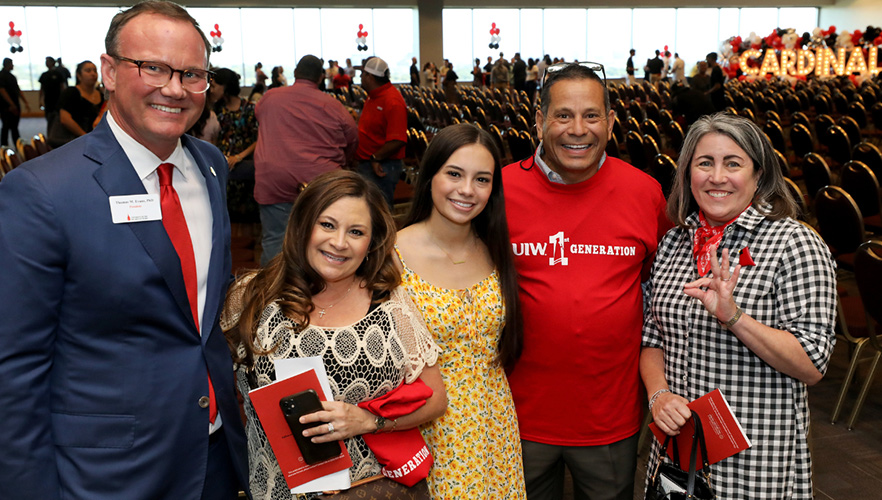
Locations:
(322, 312)
(455, 262)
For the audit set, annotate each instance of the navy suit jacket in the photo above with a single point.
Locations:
(101, 365)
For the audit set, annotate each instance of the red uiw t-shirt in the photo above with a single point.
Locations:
(581, 251)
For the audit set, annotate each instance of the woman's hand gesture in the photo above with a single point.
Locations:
(715, 292)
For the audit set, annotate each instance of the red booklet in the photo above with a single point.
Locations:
(266, 403)
(722, 432)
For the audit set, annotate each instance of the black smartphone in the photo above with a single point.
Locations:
(294, 407)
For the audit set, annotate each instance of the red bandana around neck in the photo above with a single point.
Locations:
(706, 237)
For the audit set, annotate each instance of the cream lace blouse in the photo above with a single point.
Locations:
(367, 359)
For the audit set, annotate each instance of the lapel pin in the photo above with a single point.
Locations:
(212, 171)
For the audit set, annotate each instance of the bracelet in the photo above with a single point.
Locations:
(655, 396)
(735, 318)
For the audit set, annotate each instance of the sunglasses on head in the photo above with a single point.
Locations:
(555, 69)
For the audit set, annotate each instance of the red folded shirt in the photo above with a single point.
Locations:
(404, 455)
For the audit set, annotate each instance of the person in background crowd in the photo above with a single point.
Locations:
(12, 97)
(442, 71)
(666, 65)
(277, 78)
(350, 70)
(79, 106)
(742, 298)
(487, 69)
(330, 73)
(629, 69)
(655, 65)
(257, 92)
(716, 91)
(519, 73)
(382, 129)
(532, 80)
(238, 126)
(450, 91)
(303, 133)
(236, 139)
(678, 68)
(574, 211)
(115, 258)
(51, 85)
(342, 82)
(477, 74)
(65, 73)
(429, 75)
(259, 75)
(414, 73)
(500, 75)
(457, 264)
(541, 65)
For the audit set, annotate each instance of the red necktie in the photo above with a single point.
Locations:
(176, 226)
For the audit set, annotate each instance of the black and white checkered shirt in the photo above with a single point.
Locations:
(791, 288)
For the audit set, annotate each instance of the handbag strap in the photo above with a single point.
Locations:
(697, 441)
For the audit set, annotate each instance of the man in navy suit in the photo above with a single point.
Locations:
(108, 322)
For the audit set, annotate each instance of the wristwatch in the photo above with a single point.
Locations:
(381, 422)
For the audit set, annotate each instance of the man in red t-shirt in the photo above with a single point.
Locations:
(584, 229)
(382, 128)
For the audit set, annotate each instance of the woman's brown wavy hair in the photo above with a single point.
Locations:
(289, 279)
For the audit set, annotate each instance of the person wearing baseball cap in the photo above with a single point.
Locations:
(382, 128)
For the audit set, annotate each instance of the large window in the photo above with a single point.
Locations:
(609, 39)
(606, 35)
(281, 36)
(457, 41)
(758, 20)
(272, 36)
(653, 30)
(276, 25)
(694, 44)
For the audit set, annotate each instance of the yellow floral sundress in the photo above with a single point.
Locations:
(475, 444)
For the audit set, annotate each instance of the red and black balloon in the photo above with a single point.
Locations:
(494, 36)
(361, 38)
(217, 41)
(14, 39)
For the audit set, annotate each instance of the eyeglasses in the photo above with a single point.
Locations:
(157, 74)
(554, 69)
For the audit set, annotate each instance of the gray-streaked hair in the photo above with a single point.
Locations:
(162, 8)
(772, 197)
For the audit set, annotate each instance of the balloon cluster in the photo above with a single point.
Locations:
(361, 38)
(780, 39)
(14, 39)
(494, 36)
(217, 40)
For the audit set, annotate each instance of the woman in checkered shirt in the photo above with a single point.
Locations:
(742, 297)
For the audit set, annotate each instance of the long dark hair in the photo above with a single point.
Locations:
(290, 280)
(490, 225)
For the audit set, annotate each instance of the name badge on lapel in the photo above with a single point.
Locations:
(135, 208)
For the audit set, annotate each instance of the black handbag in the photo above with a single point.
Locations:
(671, 482)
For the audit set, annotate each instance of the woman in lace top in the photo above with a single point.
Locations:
(332, 292)
(458, 266)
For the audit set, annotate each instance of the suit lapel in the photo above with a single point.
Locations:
(117, 177)
(216, 277)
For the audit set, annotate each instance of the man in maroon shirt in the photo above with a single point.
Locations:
(303, 132)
